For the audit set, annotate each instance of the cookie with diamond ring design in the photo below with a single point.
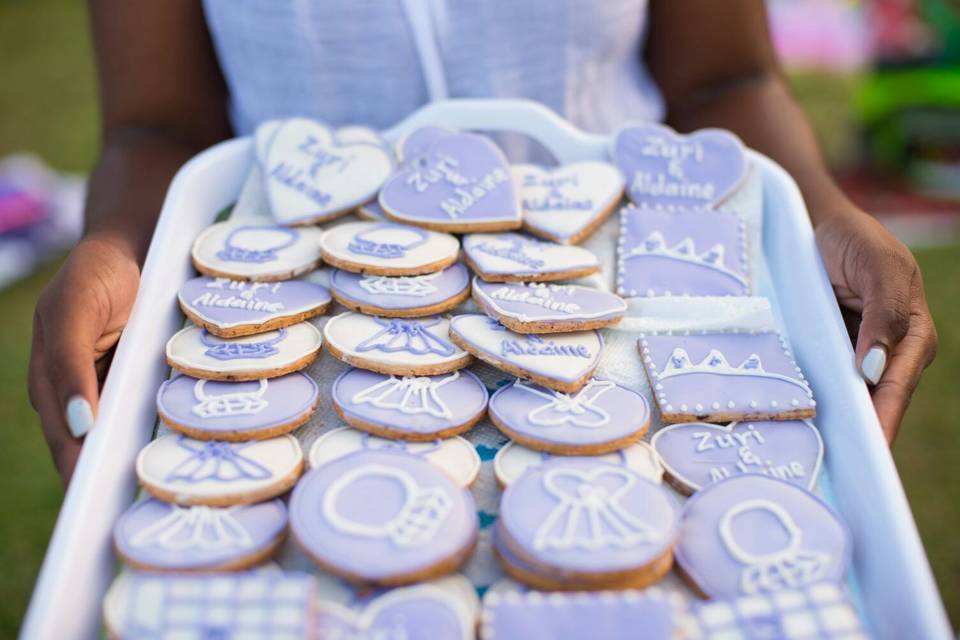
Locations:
(402, 296)
(250, 250)
(388, 249)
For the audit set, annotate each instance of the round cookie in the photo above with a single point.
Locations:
(402, 296)
(197, 353)
(514, 257)
(388, 249)
(600, 418)
(248, 250)
(372, 211)
(231, 308)
(753, 534)
(154, 535)
(513, 460)
(383, 517)
(454, 456)
(395, 346)
(178, 469)
(252, 410)
(415, 408)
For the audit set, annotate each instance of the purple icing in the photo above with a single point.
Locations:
(409, 336)
(164, 536)
(663, 167)
(414, 404)
(381, 514)
(227, 349)
(372, 210)
(381, 240)
(682, 252)
(601, 412)
(460, 178)
(234, 253)
(534, 302)
(400, 292)
(587, 516)
(744, 373)
(698, 454)
(419, 141)
(216, 407)
(230, 303)
(755, 534)
(216, 460)
(417, 616)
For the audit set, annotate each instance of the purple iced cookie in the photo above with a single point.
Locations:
(413, 408)
(725, 376)
(663, 167)
(697, 454)
(383, 517)
(515, 257)
(216, 410)
(402, 296)
(155, 535)
(683, 252)
(419, 141)
(600, 418)
(754, 534)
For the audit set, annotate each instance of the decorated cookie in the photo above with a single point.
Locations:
(252, 604)
(600, 418)
(160, 536)
(724, 377)
(568, 203)
(395, 346)
(418, 142)
(682, 252)
(248, 250)
(178, 469)
(388, 249)
(372, 211)
(415, 408)
(200, 354)
(383, 517)
(402, 296)
(460, 182)
(589, 520)
(698, 454)
(512, 460)
(256, 409)
(663, 167)
(753, 534)
(454, 456)
(231, 308)
(312, 176)
(562, 361)
(514, 257)
(548, 308)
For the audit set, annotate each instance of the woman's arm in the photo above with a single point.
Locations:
(716, 67)
(162, 100)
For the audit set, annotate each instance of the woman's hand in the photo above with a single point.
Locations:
(77, 322)
(876, 276)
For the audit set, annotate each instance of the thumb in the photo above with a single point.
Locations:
(885, 321)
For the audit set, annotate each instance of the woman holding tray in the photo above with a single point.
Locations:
(179, 76)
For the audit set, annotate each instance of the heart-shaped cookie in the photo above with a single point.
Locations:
(419, 141)
(534, 307)
(514, 257)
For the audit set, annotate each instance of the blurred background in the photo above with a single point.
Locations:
(879, 78)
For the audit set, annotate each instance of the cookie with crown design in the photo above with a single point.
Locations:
(251, 250)
(562, 361)
(251, 410)
(402, 296)
(158, 536)
(515, 257)
(602, 417)
(388, 249)
(394, 346)
(383, 517)
(200, 354)
(415, 408)
(217, 473)
(723, 377)
(682, 252)
(513, 460)
(535, 307)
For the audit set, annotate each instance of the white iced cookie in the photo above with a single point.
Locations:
(513, 459)
(248, 250)
(515, 257)
(388, 249)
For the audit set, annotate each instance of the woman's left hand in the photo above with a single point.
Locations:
(875, 275)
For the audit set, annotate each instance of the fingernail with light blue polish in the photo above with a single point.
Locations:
(873, 364)
(79, 416)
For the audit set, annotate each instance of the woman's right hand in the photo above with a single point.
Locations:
(77, 322)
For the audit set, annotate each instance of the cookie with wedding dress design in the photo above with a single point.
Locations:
(414, 408)
(217, 473)
(384, 518)
(516, 257)
(158, 536)
(513, 460)
(402, 296)
(753, 534)
(200, 354)
(388, 248)
(253, 250)
(251, 410)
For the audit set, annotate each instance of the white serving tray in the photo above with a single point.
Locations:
(896, 587)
